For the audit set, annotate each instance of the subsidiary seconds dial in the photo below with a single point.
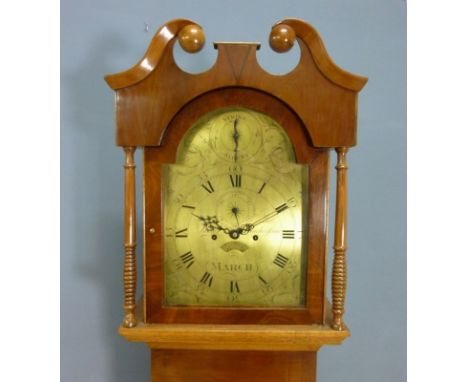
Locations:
(235, 136)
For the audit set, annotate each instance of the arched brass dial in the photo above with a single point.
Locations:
(234, 215)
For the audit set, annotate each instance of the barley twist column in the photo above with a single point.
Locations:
(129, 271)
(339, 261)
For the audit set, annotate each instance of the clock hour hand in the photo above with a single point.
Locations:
(248, 227)
(211, 223)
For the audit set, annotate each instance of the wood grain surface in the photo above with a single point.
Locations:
(150, 94)
(318, 199)
(230, 366)
(236, 337)
(340, 241)
(156, 103)
(130, 270)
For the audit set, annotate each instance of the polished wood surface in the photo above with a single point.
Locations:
(129, 274)
(314, 43)
(318, 199)
(230, 366)
(156, 103)
(237, 337)
(282, 38)
(151, 58)
(339, 261)
(191, 38)
(312, 90)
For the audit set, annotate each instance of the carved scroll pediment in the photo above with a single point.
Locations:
(150, 93)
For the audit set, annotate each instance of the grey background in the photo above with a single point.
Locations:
(366, 37)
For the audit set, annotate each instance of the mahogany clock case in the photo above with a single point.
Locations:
(318, 163)
(316, 103)
(100, 38)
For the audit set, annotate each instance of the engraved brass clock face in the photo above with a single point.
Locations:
(234, 215)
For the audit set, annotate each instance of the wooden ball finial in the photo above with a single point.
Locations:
(191, 38)
(282, 38)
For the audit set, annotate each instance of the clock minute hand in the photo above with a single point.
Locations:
(264, 218)
(248, 227)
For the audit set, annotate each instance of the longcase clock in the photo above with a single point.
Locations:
(236, 165)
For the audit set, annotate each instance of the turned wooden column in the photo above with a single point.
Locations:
(339, 261)
(129, 271)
